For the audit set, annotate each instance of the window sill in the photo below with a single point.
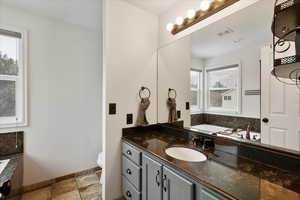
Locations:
(9, 126)
(195, 112)
(223, 112)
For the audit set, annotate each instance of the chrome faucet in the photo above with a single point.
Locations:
(248, 130)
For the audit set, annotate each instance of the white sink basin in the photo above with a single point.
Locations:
(3, 164)
(186, 154)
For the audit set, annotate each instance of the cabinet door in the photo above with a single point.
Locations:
(209, 195)
(152, 179)
(176, 187)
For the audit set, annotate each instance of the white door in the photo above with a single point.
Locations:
(280, 107)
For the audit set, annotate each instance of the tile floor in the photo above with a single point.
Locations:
(79, 188)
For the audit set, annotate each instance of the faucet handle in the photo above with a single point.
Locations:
(197, 141)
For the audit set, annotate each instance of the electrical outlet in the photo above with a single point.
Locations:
(187, 105)
(178, 114)
(129, 119)
(112, 109)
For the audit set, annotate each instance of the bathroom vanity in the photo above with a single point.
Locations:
(11, 165)
(232, 170)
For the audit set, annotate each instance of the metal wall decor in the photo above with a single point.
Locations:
(170, 93)
(142, 90)
(286, 42)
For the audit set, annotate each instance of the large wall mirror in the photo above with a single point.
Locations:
(221, 74)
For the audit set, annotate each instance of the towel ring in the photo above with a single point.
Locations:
(142, 89)
(170, 90)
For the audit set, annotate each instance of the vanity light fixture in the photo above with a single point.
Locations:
(207, 8)
(191, 13)
(204, 5)
(179, 20)
(170, 27)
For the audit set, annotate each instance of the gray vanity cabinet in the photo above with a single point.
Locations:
(175, 187)
(152, 179)
(146, 177)
(160, 183)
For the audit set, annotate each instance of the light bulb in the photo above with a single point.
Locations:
(170, 27)
(179, 20)
(191, 13)
(205, 4)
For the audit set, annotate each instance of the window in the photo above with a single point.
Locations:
(12, 79)
(196, 90)
(223, 89)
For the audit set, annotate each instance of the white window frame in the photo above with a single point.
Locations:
(198, 109)
(210, 110)
(21, 118)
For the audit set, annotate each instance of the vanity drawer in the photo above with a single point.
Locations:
(129, 192)
(132, 172)
(131, 153)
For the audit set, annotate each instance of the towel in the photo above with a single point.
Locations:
(171, 102)
(142, 119)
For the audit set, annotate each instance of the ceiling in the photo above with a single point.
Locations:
(71, 11)
(153, 6)
(251, 27)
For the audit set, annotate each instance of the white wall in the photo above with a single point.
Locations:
(197, 63)
(64, 90)
(130, 57)
(180, 8)
(174, 64)
(249, 58)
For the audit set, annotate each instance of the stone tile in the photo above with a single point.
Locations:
(73, 195)
(41, 194)
(64, 187)
(84, 181)
(91, 192)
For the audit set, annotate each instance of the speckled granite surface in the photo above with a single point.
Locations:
(11, 147)
(224, 172)
(8, 143)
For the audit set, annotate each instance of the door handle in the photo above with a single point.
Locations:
(157, 178)
(265, 120)
(165, 182)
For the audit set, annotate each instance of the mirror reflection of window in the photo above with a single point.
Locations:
(196, 91)
(223, 89)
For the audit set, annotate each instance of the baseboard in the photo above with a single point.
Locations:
(47, 183)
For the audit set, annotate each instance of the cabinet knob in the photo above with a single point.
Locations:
(128, 194)
(129, 153)
(265, 120)
(157, 178)
(128, 171)
(165, 183)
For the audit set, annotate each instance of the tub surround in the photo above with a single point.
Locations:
(233, 169)
(226, 121)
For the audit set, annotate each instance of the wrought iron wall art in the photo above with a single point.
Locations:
(174, 93)
(286, 42)
(142, 90)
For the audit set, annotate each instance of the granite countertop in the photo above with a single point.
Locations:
(225, 173)
(9, 170)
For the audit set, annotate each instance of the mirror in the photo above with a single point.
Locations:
(221, 74)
